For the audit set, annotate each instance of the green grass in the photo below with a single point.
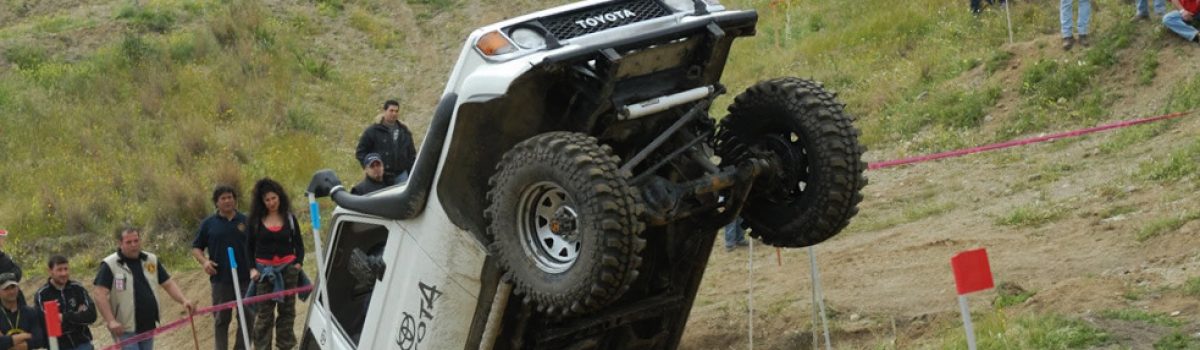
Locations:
(1178, 165)
(1006, 300)
(1163, 225)
(1192, 287)
(997, 60)
(1051, 332)
(1032, 215)
(1154, 318)
(1147, 67)
(1176, 341)
(1127, 137)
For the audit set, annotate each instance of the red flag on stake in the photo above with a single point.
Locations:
(971, 271)
(53, 321)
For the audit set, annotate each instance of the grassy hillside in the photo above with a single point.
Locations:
(120, 111)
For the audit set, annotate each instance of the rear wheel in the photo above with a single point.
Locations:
(564, 223)
(814, 187)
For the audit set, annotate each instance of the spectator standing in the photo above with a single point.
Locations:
(224, 229)
(735, 235)
(1143, 9)
(20, 326)
(392, 140)
(277, 248)
(123, 292)
(78, 310)
(373, 179)
(7, 265)
(1066, 20)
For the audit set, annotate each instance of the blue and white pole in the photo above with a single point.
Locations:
(237, 292)
(314, 211)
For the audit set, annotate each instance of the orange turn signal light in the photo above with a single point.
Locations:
(494, 43)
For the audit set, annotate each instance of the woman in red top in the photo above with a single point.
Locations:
(275, 244)
(1182, 22)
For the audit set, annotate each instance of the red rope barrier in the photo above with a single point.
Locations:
(1022, 142)
(204, 311)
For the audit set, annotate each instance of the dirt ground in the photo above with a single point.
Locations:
(893, 287)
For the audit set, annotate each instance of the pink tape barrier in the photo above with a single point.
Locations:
(1022, 142)
(204, 311)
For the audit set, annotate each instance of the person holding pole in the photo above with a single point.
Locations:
(277, 247)
(78, 310)
(123, 292)
(1066, 20)
(20, 326)
(225, 229)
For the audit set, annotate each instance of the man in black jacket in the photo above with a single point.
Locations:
(393, 142)
(7, 265)
(74, 302)
(373, 179)
(21, 326)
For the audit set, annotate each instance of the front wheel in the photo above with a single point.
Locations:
(817, 175)
(564, 223)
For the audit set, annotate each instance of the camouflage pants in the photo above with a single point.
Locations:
(268, 320)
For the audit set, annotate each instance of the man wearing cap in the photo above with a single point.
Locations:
(78, 310)
(20, 325)
(223, 230)
(7, 264)
(373, 179)
(123, 292)
(391, 140)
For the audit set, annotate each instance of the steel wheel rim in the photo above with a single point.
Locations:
(543, 207)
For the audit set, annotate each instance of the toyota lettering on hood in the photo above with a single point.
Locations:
(605, 18)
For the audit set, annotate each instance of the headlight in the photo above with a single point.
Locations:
(494, 43)
(687, 5)
(527, 38)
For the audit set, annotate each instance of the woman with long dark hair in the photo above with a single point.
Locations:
(276, 246)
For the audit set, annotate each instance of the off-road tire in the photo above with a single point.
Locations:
(607, 229)
(824, 155)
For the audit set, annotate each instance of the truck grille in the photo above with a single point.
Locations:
(608, 16)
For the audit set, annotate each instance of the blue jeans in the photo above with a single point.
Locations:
(734, 233)
(147, 344)
(1174, 21)
(1065, 16)
(1160, 6)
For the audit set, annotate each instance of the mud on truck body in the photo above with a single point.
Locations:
(566, 194)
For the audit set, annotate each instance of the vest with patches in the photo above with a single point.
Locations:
(122, 300)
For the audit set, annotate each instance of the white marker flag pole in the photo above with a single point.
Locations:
(314, 211)
(971, 274)
(819, 297)
(1008, 16)
(237, 293)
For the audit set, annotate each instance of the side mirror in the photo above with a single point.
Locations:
(323, 183)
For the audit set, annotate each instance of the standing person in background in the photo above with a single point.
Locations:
(277, 248)
(373, 179)
(393, 142)
(1143, 9)
(78, 310)
(21, 327)
(1183, 21)
(123, 292)
(735, 235)
(7, 265)
(224, 229)
(1065, 11)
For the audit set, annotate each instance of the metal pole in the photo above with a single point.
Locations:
(966, 316)
(750, 292)
(314, 211)
(1008, 17)
(237, 293)
(819, 295)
